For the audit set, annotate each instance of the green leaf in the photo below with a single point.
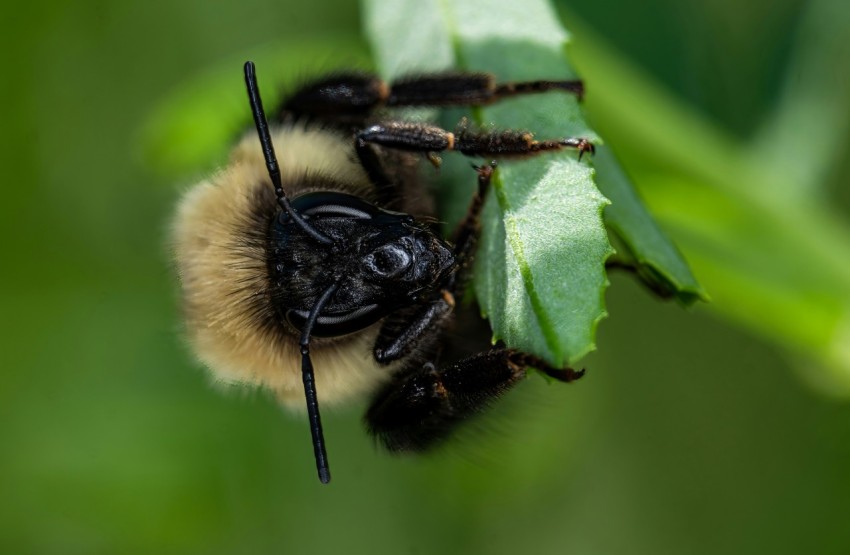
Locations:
(540, 273)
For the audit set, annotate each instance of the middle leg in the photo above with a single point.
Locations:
(424, 138)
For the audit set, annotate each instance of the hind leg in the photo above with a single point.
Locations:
(422, 406)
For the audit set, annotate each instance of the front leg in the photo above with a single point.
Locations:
(423, 405)
(399, 335)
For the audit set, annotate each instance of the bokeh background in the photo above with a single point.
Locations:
(698, 431)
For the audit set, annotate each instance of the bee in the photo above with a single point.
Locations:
(311, 265)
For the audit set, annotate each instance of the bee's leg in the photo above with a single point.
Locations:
(658, 287)
(422, 405)
(466, 234)
(388, 189)
(468, 89)
(403, 332)
(399, 335)
(424, 138)
(348, 97)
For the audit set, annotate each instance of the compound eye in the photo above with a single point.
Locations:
(388, 261)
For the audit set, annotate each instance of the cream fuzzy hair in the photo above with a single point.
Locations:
(225, 278)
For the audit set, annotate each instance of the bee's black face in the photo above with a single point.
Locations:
(389, 262)
(380, 260)
(405, 258)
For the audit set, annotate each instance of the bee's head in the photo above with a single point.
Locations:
(381, 261)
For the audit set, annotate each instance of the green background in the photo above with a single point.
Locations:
(687, 435)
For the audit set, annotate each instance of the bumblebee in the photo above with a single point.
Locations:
(311, 265)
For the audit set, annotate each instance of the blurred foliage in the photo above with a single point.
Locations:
(772, 249)
(194, 128)
(686, 434)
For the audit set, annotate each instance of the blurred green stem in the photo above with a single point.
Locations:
(774, 261)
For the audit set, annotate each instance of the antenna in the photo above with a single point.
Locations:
(310, 387)
(262, 125)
